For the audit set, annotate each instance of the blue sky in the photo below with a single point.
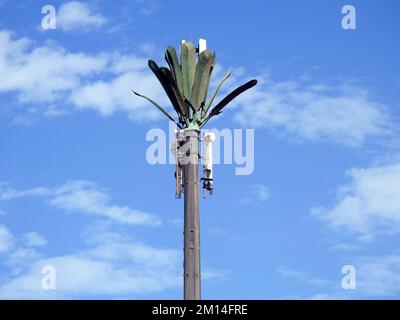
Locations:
(76, 191)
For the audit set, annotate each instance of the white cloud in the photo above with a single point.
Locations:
(147, 7)
(376, 277)
(19, 257)
(379, 276)
(48, 80)
(345, 246)
(325, 296)
(111, 265)
(42, 74)
(345, 114)
(369, 205)
(33, 239)
(79, 16)
(256, 194)
(148, 48)
(6, 239)
(82, 197)
(212, 274)
(7, 193)
(301, 276)
(108, 96)
(17, 250)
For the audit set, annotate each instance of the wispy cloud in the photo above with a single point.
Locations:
(34, 239)
(82, 197)
(379, 276)
(212, 274)
(342, 246)
(17, 251)
(6, 239)
(376, 277)
(256, 194)
(307, 111)
(79, 16)
(301, 276)
(109, 262)
(49, 80)
(369, 205)
(148, 7)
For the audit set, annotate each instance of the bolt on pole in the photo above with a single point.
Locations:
(192, 290)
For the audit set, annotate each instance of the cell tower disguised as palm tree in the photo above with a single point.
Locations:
(186, 84)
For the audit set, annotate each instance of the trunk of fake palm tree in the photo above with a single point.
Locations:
(191, 216)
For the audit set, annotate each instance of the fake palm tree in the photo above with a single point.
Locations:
(186, 84)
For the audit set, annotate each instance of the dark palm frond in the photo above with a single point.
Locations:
(186, 82)
(218, 108)
(172, 59)
(167, 77)
(164, 76)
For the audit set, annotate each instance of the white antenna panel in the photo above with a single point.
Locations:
(202, 45)
(208, 139)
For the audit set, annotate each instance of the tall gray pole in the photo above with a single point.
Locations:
(192, 216)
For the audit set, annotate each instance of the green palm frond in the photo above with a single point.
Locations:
(201, 79)
(207, 107)
(186, 83)
(159, 108)
(188, 65)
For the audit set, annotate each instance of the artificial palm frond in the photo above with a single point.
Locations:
(201, 79)
(188, 65)
(207, 107)
(165, 78)
(218, 108)
(186, 84)
(172, 59)
(158, 107)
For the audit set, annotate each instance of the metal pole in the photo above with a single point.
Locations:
(192, 216)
